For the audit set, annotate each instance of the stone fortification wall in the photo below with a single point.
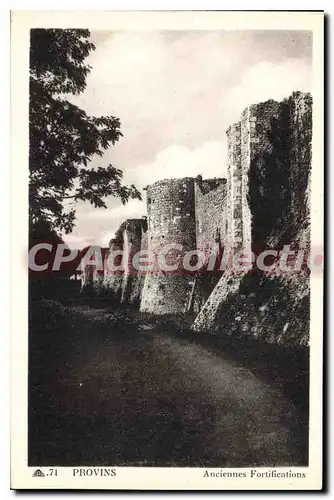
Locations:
(171, 220)
(211, 214)
(92, 274)
(122, 281)
(272, 169)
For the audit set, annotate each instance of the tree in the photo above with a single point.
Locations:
(63, 138)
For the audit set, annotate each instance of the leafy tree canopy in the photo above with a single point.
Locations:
(63, 138)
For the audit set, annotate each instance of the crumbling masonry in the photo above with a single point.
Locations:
(263, 203)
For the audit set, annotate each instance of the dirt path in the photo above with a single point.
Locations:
(151, 399)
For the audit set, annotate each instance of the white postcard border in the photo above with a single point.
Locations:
(146, 478)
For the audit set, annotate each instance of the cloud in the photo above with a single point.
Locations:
(132, 209)
(177, 87)
(78, 242)
(105, 238)
(265, 81)
(176, 93)
(177, 161)
(101, 225)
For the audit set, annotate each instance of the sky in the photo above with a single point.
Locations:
(176, 93)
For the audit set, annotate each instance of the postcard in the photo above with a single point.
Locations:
(167, 180)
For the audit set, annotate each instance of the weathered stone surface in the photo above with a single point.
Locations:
(118, 278)
(211, 213)
(268, 187)
(122, 280)
(171, 221)
(190, 212)
(93, 273)
(261, 307)
(113, 278)
(228, 284)
(263, 204)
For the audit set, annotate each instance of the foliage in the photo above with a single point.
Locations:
(63, 138)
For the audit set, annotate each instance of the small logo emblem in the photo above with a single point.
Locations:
(38, 473)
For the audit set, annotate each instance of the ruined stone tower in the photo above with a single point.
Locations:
(235, 196)
(132, 244)
(263, 204)
(269, 162)
(92, 272)
(124, 282)
(249, 142)
(113, 278)
(171, 221)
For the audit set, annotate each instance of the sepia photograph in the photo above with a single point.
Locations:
(170, 256)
